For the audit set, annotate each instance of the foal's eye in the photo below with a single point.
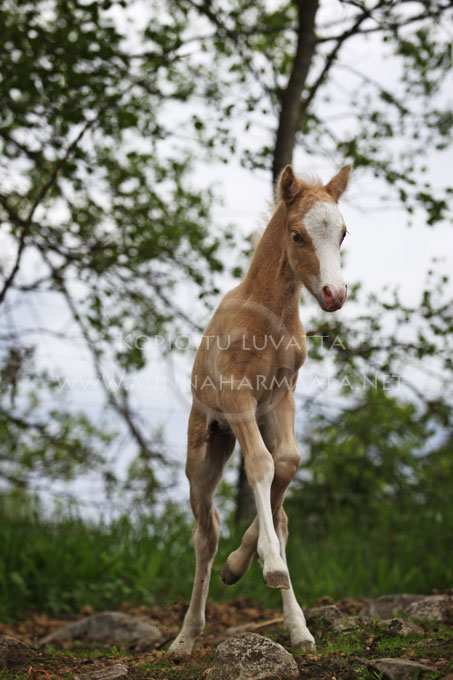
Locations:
(297, 237)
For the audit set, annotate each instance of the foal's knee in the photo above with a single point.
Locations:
(286, 461)
(259, 467)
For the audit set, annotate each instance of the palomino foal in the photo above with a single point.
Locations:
(243, 380)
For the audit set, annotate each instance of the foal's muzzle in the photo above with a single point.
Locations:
(334, 297)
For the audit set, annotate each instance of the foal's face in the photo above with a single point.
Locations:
(315, 232)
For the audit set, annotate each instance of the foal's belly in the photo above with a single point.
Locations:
(222, 376)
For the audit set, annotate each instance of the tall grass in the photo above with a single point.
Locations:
(59, 565)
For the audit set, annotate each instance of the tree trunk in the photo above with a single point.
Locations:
(291, 111)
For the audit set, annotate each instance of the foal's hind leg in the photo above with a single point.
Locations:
(205, 462)
(239, 561)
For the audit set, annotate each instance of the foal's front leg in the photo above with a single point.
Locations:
(279, 438)
(259, 467)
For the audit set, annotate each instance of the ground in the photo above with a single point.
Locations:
(340, 655)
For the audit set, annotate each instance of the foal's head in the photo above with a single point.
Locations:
(315, 230)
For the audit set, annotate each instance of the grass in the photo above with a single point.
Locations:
(58, 566)
(80, 649)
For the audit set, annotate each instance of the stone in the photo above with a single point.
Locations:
(351, 605)
(116, 672)
(401, 669)
(108, 627)
(388, 606)
(13, 652)
(249, 656)
(331, 617)
(403, 628)
(435, 607)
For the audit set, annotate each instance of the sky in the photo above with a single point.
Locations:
(380, 251)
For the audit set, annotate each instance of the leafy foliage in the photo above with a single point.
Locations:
(388, 445)
(96, 207)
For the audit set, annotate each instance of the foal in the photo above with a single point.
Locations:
(243, 380)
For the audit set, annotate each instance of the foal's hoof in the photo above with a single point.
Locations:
(228, 576)
(179, 648)
(277, 579)
(305, 646)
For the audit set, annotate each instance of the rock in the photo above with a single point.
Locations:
(331, 617)
(324, 601)
(388, 606)
(249, 656)
(435, 607)
(116, 672)
(13, 652)
(87, 610)
(401, 627)
(108, 627)
(401, 669)
(352, 606)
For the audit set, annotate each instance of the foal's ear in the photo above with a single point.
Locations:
(337, 185)
(287, 186)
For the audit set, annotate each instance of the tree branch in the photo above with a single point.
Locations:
(121, 407)
(393, 25)
(27, 222)
(331, 57)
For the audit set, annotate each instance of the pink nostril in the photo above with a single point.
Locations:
(327, 294)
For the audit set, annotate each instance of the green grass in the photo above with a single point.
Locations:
(61, 565)
(377, 553)
(93, 651)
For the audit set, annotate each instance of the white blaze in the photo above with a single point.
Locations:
(324, 224)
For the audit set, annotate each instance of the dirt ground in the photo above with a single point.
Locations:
(339, 656)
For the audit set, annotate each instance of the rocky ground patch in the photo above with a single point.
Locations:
(397, 637)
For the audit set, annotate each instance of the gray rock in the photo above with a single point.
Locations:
(116, 672)
(401, 669)
(13, 652)
(403, 628)
(435, 607)
(388, 606)
(331, 617)
(108, 627)
(249, 656)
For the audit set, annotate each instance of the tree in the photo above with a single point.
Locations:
(92, 211)
(97, 193)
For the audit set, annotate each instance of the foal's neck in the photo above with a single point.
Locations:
(270, 280)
